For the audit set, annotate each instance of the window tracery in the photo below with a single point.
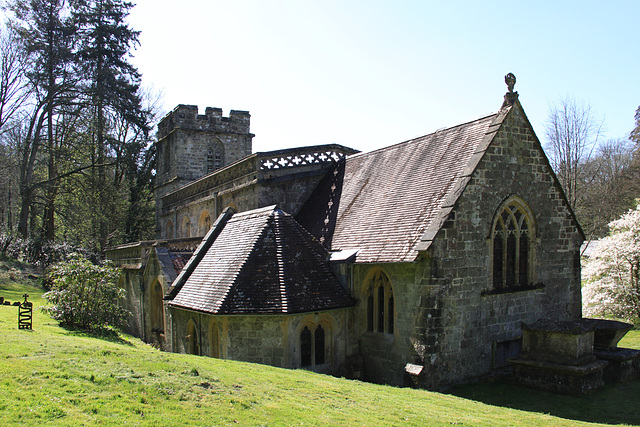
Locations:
(215, 158)
(511, 236)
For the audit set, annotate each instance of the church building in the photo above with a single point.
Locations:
(414, 264)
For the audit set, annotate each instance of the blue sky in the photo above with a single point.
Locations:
(368, 74)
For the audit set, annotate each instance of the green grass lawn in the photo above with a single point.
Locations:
(52, 376)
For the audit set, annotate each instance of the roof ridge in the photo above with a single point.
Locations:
(408, 141)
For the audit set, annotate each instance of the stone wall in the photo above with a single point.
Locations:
(285, 178)
(130, 281)
(385, 355)
(266, 339)
(186, 138)
(473, 319)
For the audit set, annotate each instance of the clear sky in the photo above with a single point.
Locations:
(371, 73)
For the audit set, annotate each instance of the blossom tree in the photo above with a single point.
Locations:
(612, 273)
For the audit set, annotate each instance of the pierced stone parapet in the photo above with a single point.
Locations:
(255, 167)
(303, 156)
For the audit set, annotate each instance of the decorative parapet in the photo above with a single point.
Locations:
(258, 166)
(132, 255)
(187, 117)
(296, 157)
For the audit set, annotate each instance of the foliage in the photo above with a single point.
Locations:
(598, 177)
(40, 253)
(86, 295)
(572, 135)
(612, 272)
(76, 158)
(609, 186)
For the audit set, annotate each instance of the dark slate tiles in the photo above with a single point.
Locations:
(263, 261)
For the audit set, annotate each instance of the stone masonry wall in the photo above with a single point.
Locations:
(473, 321)
(266, 339)
(130, 281)
(385, 355)
(184, 138)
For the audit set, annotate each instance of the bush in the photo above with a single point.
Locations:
(37, 251)
(86, 295)
(612, 273)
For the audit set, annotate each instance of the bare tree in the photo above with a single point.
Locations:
(609, 188)
(13, 91)
(573, 132)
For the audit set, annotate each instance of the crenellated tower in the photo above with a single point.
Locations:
(192, 145)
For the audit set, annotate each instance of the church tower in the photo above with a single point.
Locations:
(191, 145)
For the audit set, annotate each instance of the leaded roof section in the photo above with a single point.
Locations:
(386, 200)
(262, 262)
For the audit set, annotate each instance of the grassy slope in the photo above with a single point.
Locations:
(53, 376)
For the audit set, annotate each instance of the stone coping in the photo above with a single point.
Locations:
(568, 369)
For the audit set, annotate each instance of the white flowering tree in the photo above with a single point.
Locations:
(612, 272)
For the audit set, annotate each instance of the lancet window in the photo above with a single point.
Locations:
(313, 345)
(380, 304)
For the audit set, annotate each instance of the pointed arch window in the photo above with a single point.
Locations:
(380, 304)
(313, 345)
(215, 158)
(511, 236)
(210, 161)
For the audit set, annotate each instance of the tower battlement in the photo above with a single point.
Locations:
(186, 117)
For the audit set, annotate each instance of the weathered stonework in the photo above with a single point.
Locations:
(439, 320)
(284, 178)
(191, 145)
(266, 339)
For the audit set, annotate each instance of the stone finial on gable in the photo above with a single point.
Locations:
(510, 97)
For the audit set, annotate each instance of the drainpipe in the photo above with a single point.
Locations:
(144, 323)
(200, 335)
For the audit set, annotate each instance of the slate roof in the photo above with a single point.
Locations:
(387, 203)
(258, 262)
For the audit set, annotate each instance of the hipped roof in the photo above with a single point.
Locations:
(258, 262)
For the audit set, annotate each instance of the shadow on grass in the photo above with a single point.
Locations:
(616, 404)
(104, 334)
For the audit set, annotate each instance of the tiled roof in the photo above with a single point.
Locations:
(171, 262)
(384, 201)
(261, 261)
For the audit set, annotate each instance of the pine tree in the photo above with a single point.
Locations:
(47, 35)
(112, 86)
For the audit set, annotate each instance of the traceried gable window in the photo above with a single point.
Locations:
(511, 237)
(378, 295)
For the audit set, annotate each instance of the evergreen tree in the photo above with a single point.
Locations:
(47, 36)
(112, 86)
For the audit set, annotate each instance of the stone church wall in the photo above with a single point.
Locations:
(192, 145)
(130, 281)
(385, 355)
(246, 185)
(267, 339)
(477, 324)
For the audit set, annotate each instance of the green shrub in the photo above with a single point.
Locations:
(86, 295)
